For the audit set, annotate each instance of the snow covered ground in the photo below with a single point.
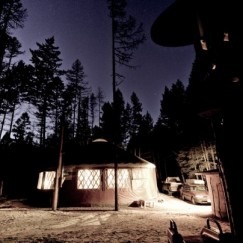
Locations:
(21, 223)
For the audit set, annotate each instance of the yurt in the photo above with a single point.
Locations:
(88, 176)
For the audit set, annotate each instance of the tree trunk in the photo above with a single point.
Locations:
(3, 121)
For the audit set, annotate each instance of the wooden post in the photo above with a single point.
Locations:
(58, 175)
(114, 100)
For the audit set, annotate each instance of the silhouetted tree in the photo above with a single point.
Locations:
(126, 123)
(12, 50)
(106, 124)
(146, 125)
(92, 105)
(136, 114)
(118, 113)
(12, 16)
(126, 37)
(22, 129)
(100, 101)
(83, 128)
(13, 90)
(78, 90)
(172, 109)
(169, 129)
(45, 82)
(145, 137)
(112, 120)
(57, 111)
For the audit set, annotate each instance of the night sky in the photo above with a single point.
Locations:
(82, 30)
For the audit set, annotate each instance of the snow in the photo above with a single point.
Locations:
(22, 223)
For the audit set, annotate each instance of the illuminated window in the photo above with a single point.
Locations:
(89, 179)
(46, 180)
(122, 178)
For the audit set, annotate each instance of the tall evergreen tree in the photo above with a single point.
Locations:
(78, 91)
(12, 16)
(106, 124)
(127, 35)
(141, 127)
(100, 101)
(13, 90)
(92, 105)
(83, 129)
(168, 131)
(126, 124)
(136, 116)
(112, 120)
(118, 113)
(22, 129)
(57, 110)
(146, 125)
(46, 79)
(173, 105)
(12, 50)
(145, 137)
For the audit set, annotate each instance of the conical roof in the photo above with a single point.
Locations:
(99, 152)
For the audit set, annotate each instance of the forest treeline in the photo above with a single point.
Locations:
(40, 99)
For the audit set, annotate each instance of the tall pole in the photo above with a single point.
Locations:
(114, 99)
(58, 174)
(113, 51)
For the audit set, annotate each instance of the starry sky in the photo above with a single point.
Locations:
(82, 30)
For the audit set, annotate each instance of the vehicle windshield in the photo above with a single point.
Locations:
(174, 180)
(198, 188)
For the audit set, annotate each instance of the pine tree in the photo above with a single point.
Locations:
(12, 16)
(92, 105)
(45, 82)
(136, 115)
(127, 35)
(112, 119)
(78, 91)
(13, 90)
(100, 100)
(22, 129)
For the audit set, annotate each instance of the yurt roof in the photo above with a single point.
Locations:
(100, 152)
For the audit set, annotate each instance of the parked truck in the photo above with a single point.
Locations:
(171, 185)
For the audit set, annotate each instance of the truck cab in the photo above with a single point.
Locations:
(171, 185)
